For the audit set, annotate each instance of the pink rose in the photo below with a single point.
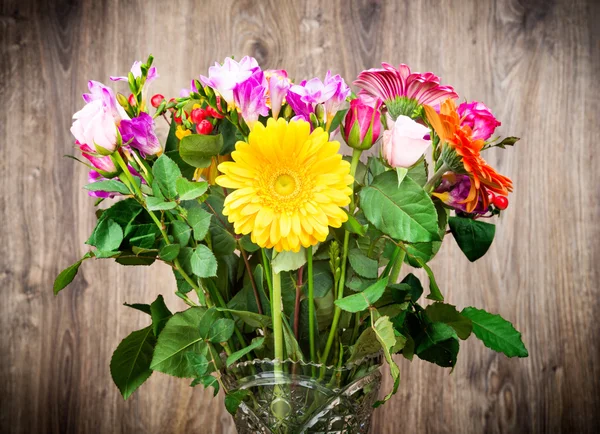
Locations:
(404, 144)
(480, 118)
(361, 119)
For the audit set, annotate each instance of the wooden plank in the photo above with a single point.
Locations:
(534, 63)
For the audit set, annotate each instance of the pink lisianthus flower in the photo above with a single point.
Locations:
(405, 142)
(224, 78)
(454, 191)
(250, 97)
(139, 133)
(402, 90)
(278, 86)
(102, 164)
(479, 117)
(360, 119)
(96, 123)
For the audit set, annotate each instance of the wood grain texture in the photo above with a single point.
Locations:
(535, 62)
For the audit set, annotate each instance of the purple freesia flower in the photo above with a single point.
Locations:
(454, 191)
(103, 164)
(224, 78)
(96, 123)
(139, 133)
(305, 96)
(279, 85)
(333, 104)
(250, 96)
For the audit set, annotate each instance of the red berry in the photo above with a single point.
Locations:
(156, 100)
(204, 127)
(131, 99)
(178, 118)
(500, 202)
(198, 115)
(213, 113)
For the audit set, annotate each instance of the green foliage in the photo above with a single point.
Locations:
(68, 274)
(181, 232)
(288, 261)
(384, 333)
(169, 252)
(130, 363)
(197, 150)
(363, 265)
(199, 220)
(107, 235)
(203, 262)
(159, 204)
(446, 313)
(496, 333)
(362, 300)
(354, 227)
(234, 357)
(188, 190)
(160, 314)
(179, 336)
(252, 319)
(403, 212)
(166, 172)
(472, 236)
(111, 186)
(437, 343)
(233, 400)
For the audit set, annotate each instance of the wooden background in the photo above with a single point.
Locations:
(536, 63)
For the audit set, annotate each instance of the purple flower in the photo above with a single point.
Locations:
(480, 118)
(305, 96)
(103, 164)
(333, 104)
(279, 85)
(250, 96)
(224, 78)
(139, 133)
(454, 191)
(136, 70)
(96, 123)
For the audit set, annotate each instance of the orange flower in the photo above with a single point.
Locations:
(459, 138)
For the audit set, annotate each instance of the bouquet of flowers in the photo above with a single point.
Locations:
(287, 253)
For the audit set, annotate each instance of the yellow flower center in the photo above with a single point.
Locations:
(285, 185)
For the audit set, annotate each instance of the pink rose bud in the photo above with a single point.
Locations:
(404, 144)
(362, 125)
(480, 118)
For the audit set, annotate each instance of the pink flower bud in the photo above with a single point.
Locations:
(480, 118)
(404, 144)
(362, 125)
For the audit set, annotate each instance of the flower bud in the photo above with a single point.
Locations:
(362, 125)
(404, 144)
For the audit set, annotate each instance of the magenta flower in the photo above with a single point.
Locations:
(362, 125)
(402, 90)
(480, 118)
(279, 84)
(333, 104)
(250, 97)
(96, 123)
(404, 143)
(305, 96)
(139, 133)
(94, 176)
(454, 191)
(224, 78)
(103, 164)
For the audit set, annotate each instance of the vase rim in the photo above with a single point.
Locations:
(347, 367)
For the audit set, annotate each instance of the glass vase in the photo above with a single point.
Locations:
(296, 397)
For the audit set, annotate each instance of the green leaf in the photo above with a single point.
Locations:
(223, 242)
(362, 264)
(181, 232)
(107, 235)
(446, 313)
(189, 190)
(197, 150)
(111, 186)
(247, 244)
(234, 357)
(142, 307)
(404, 213)
(438, 344)
(179, 336)
(169, 252)
(186, 170)
(362, 300)
(434, 289)
(130, 363)
(416, 289)
(495, 332)
(160, 314)
(365, 345)
(207, 320)
(207, 381)
(166, 172)
(221, 330)
(198, 362)
(292, 348)
(199, 220)
(172, 140)
(253, 319)
(401, 173)
(418, 173)
(322, 279)
(472, 236)
(203, 262)
(158, 204)
(233, 400)
(288, 260)
(384, 332)
(229, 132)
(353, 226)
(68, 274)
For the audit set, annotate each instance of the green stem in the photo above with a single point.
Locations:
(311, 305)
(340, 292)
(431, 183)
(267, 271)
(276, 317)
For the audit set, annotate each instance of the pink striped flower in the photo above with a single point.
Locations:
(401, 90)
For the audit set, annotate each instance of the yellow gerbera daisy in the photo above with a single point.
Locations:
(290, 185)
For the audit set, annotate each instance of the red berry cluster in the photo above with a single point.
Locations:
(500, 202)
(202, 118)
